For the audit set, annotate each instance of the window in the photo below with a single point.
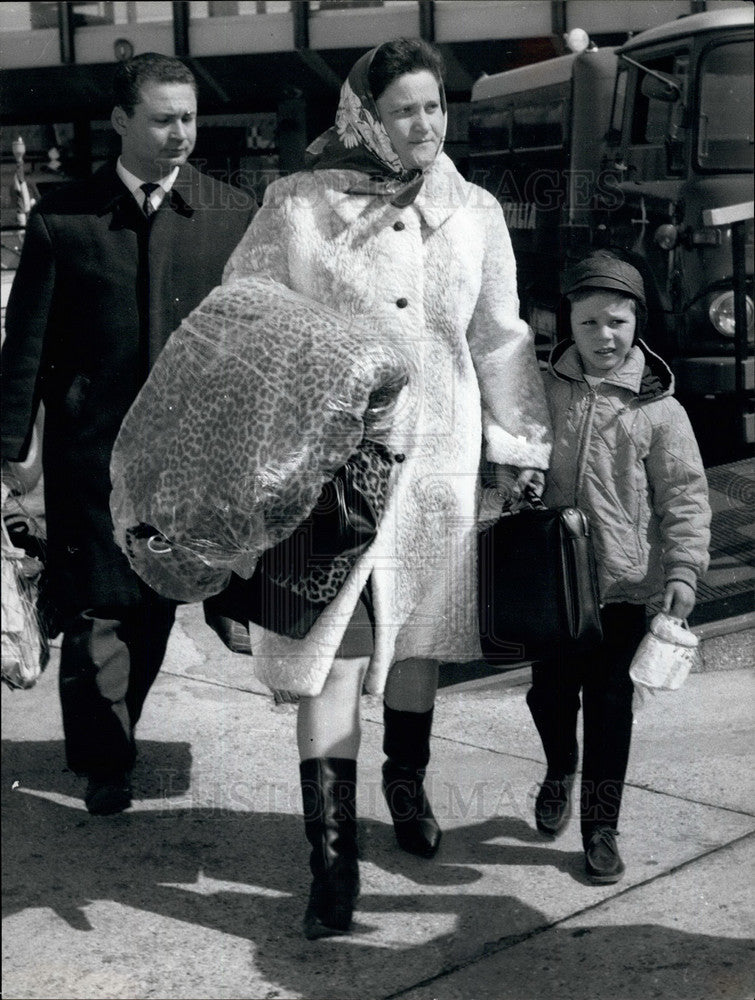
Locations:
(619, 96)
(725, 133)
(490, 129)
(655, 119)
(539, 126)
(45, 15)
(231, 8)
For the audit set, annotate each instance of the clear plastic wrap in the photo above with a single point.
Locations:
(256, 400)
(25, 645)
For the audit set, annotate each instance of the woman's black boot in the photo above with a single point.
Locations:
(406, 744)
(328, 787)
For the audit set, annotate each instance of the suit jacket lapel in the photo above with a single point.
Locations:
(182, 197)
(112, 195)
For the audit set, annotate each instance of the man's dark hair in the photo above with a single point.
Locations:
(149, 67)
(404, 55)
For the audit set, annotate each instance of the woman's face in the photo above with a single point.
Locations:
(411, 113)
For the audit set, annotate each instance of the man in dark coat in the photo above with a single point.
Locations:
(110, 267)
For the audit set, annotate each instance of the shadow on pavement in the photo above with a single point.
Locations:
(162, 770)
(244, 873)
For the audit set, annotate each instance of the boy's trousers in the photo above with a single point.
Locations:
(602, 676)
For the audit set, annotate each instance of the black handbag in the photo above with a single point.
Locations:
(295, 580)
(538, 587)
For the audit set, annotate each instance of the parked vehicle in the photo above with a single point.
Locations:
(647, 149)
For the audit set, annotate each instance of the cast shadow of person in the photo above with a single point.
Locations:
(242, 872)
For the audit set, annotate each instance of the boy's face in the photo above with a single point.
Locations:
(603, 325)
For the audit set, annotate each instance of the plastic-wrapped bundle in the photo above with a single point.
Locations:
(256, 400)
(25, 649)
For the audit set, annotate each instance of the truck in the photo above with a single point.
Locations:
(646, 149)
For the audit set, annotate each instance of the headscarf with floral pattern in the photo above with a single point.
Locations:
(359, 141)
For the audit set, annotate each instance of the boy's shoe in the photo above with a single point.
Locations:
(108, 795)
(553, 805)
(602, 859)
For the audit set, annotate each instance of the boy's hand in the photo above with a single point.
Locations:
(511, 482)
(532, 478)
(678, 599)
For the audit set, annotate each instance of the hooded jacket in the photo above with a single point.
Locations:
(625, 453)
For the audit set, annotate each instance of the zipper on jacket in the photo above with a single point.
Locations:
(584, 444)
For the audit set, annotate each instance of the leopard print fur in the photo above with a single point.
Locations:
(319, 575)
(256, 400)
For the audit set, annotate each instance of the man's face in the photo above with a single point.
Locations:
(162, 131)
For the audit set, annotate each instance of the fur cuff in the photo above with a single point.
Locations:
(505, 449)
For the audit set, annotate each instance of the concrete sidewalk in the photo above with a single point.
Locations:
(199, 890)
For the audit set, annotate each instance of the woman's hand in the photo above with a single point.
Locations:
(678, 599)
(512, 481)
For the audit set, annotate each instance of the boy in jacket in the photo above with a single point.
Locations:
(625, 453)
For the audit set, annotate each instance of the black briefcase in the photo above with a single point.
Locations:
(538, 586)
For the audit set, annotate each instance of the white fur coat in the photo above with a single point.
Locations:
(441, 273)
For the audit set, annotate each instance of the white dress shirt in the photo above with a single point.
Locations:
(134, 184)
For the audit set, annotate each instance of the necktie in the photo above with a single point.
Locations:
(148, 187)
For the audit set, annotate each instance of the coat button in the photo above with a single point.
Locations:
(398, 226)
(402, 303)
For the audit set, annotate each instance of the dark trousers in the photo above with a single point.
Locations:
(602, 676)
(109, 660)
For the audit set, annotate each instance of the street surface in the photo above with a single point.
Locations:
(198, 891)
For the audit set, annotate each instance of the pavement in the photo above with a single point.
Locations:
(198, 891)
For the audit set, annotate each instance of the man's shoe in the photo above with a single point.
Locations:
(553, 805)
(602, 859)
(106, 796)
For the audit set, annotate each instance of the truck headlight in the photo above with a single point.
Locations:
(721, 313)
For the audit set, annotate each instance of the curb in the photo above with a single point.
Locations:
(718, 659)
(725, 626)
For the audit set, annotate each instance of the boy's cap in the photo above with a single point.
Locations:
(603, 270)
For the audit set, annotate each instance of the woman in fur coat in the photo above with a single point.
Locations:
(382, 226)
